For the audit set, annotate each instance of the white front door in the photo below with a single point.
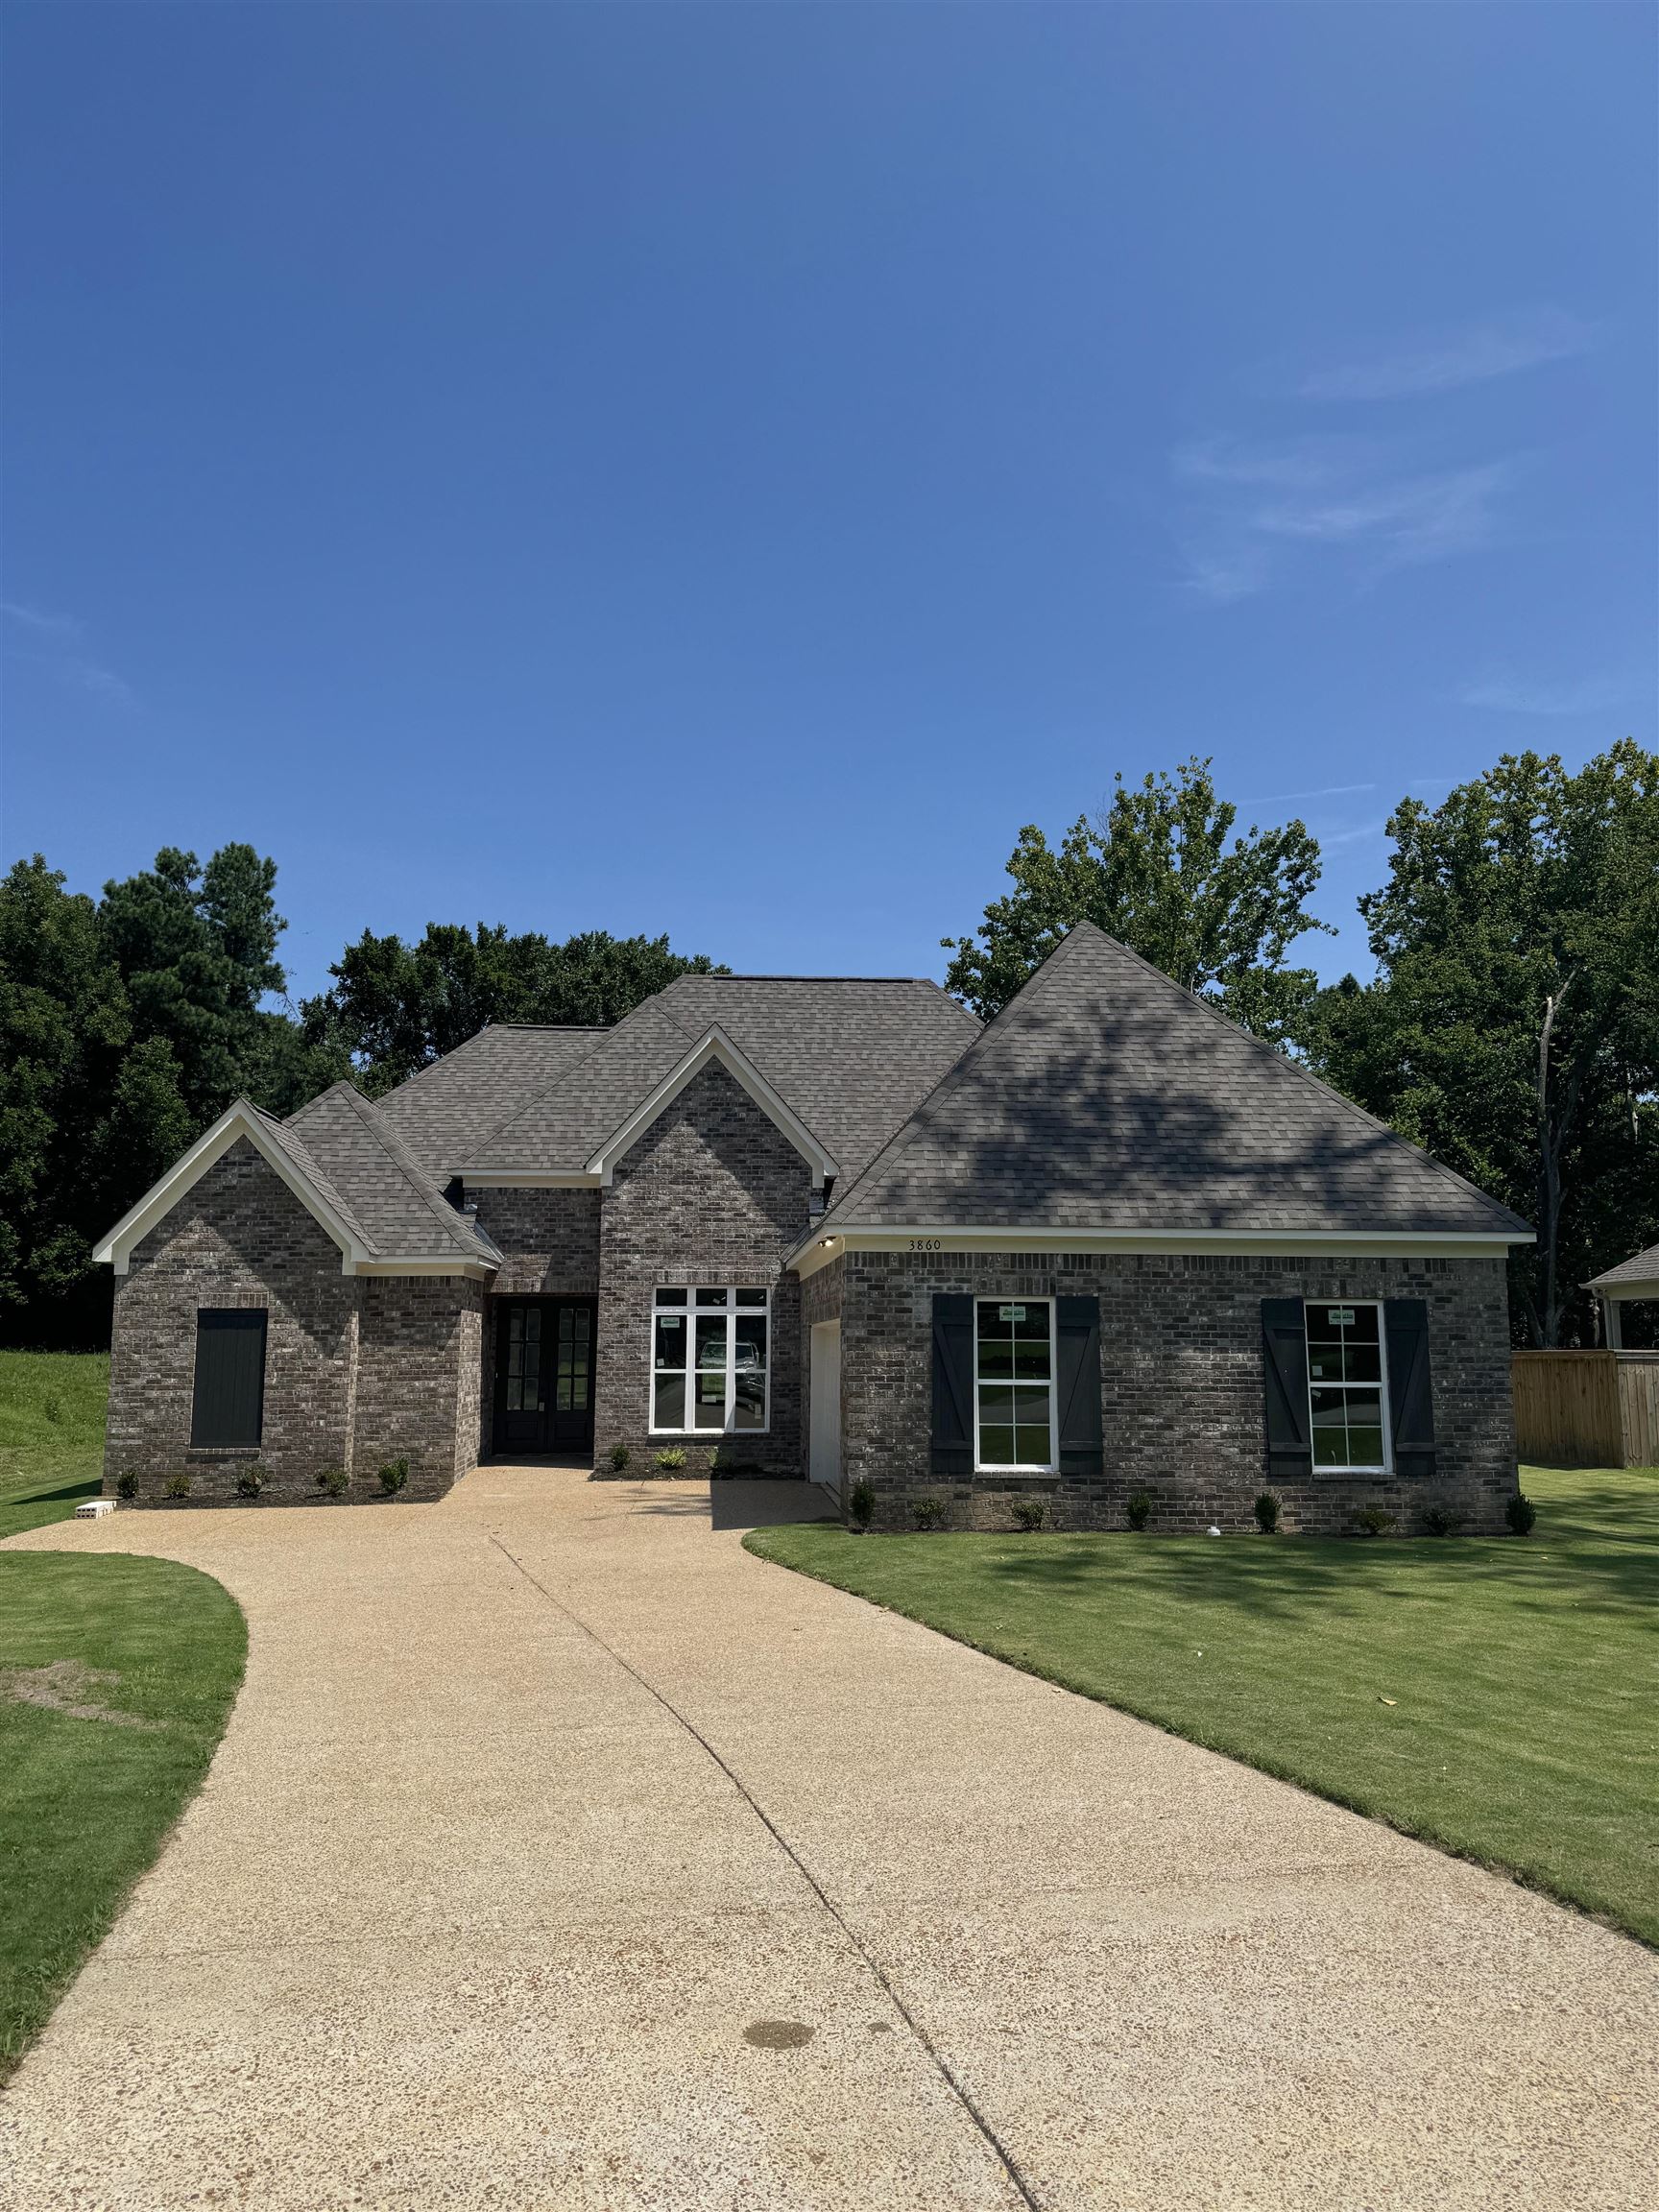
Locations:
(825, 1406)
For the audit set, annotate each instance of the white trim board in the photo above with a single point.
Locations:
(717, 1048)
(808, 1256)
(241, 1119)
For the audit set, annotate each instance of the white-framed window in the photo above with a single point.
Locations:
(711, 1363)
(1014, 1385)
(1347, 1387)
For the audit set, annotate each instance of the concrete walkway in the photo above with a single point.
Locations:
(559, 1854)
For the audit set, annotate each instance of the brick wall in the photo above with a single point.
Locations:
(550, 1240)
(358, 1370)
(418, 1379)
(713, 1193)
(1182, 1385)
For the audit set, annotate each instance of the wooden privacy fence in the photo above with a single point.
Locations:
(1587, 1408)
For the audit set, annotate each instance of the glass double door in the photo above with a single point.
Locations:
(545, 1374)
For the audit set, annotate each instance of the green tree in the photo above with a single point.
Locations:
(1157, 869)
(196, 948)
(1513, 1025)
(126, 1028)
(64, 1028)
(394, 1007)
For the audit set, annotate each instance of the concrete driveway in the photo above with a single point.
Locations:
(560, 1854)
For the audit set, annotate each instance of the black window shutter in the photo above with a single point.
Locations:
(229, 1402)
(1411, 1398)
(1077, 1375)
(952, 1441)
(1284, 1370)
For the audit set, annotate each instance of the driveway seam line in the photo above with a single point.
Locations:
(941, 2064)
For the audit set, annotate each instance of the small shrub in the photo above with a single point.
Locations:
(250, 1483)
(1138, 1510)
(335, 1481)
(671, 1458)
(861, 1502)
(1030, 1513)
(53, 1407)
(393, 1476)
(126, 1485)
(1373, 1520)
(177, 1486)
(1520, 1513)
(1440, 1519)
(619, 1457)
(927, 1512)
(1267, 1513)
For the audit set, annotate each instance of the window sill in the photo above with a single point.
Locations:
(224, 1451)
(707, 1435)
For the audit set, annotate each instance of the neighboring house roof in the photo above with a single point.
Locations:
(849, 1056)
(1642, 1269)
(1105, 1097)
(394, 1200)
(443, 1110)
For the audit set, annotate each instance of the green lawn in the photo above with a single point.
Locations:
(87, 1801)
(1524, 1727)
(50, 1433)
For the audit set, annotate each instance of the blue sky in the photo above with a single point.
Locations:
(724, 469)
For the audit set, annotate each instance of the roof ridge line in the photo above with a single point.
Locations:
(291, 1141)
(569, 1075)
(1306, 1074)
(911, 1127)
(407, 1165)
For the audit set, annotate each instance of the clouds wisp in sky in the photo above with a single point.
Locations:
(1473, 355)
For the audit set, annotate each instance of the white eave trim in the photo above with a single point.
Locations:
(715, 1049)
(1643, 1286)
(829, 1244)
(239, 1120)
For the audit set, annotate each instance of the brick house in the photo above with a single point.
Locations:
(1107, 1244)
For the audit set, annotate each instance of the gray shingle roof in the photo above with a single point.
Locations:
(559, 1130)
(359, 1160)
(293, 1148)
(1643, 1267)
(443, 1112)
(852, 1055)
(1106, 1098)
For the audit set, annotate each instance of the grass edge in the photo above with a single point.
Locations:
(1524, 1878)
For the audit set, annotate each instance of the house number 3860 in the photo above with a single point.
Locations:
(926, 1243)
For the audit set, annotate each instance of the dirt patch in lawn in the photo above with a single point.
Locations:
(62, 1686)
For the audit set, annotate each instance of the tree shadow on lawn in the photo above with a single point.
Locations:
(1562, 1567)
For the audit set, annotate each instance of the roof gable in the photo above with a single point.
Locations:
(848, 1057)
(241, 1119)
(715, 1049)
(352, 1173)
(1106, 1099)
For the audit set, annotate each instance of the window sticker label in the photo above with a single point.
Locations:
(1010, 1312)
(1342, 1316)
(670, 1320)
